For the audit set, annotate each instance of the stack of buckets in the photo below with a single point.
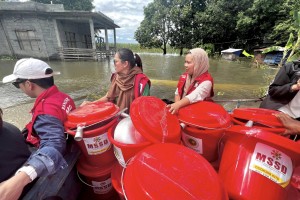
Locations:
(258, 163)
(97, 158)
(150, 123)
(162, 160)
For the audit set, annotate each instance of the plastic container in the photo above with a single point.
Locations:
(151, 118)
(258, 117)
(123, 152)
(97, 180)
(116, 175)
(154, 124)
(171, 171)
(96, 119)
(257, 164)
(205, 125)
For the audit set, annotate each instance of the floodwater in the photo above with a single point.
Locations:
(90, 80)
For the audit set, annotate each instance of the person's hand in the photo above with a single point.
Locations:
(84, 103)
(292, 126)
(12, 188)
(173, 108)
(296, 87)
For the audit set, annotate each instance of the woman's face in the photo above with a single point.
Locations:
(120, 66)
(189, 64)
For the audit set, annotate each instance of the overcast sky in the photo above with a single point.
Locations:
(126, 13)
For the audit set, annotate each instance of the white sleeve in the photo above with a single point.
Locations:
(201, 92)
(176, 92)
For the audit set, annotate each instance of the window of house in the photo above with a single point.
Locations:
(71, 40)
(27, 40)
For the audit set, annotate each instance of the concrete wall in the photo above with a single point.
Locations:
(5, 49)
(43, 29)
(31, 6)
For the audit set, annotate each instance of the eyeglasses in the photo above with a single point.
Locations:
(18, 81)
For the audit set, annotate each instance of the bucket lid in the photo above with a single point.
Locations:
(205, 114)
(171, 171)
(152, 119)
(91, 113)
(260, 135)
(259, 115)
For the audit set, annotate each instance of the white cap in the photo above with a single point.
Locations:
(29, 68)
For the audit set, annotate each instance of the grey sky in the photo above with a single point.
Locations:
(126, 13)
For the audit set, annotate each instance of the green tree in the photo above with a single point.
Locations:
(86, 5)
(266, 19)
(154, 29)
(217, 23)
(182, 14)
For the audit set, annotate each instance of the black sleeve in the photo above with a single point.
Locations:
(284, 79)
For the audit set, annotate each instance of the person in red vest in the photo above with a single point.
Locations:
(128, 82)
(196, 84)
(45, 131)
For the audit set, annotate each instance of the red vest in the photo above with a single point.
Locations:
(203, 77)
(140, 82)
(50, 102)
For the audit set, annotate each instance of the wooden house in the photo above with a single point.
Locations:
(47, 31)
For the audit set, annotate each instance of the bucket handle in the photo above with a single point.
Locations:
(79, 132)
(78, 175)
(122, 177)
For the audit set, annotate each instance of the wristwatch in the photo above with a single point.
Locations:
(29, 170)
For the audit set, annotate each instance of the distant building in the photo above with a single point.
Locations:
(231, 54)
(47, 31)
(271, 58)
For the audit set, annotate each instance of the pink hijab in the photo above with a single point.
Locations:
(201, 66)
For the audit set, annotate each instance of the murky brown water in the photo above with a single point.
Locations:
(90, 80)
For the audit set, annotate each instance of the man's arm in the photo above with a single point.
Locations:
(49, 157)
(12, 188)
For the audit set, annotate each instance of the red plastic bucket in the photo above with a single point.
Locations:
(97, 179)
(171, 171)
(205, 142)
(262, 118)
(124, 152)
(206, 123)
(116, 175)
(257, 164)
(151, 119)
(95, 146)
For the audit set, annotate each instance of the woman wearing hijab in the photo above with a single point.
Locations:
(196, 84)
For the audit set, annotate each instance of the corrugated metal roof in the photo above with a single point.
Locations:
(231, 50)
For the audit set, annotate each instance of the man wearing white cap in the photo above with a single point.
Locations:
(45, 131)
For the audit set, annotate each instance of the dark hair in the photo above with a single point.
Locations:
(44, 82)
(127, 55)
(1, 120)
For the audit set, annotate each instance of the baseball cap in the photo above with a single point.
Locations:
(29, 68)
